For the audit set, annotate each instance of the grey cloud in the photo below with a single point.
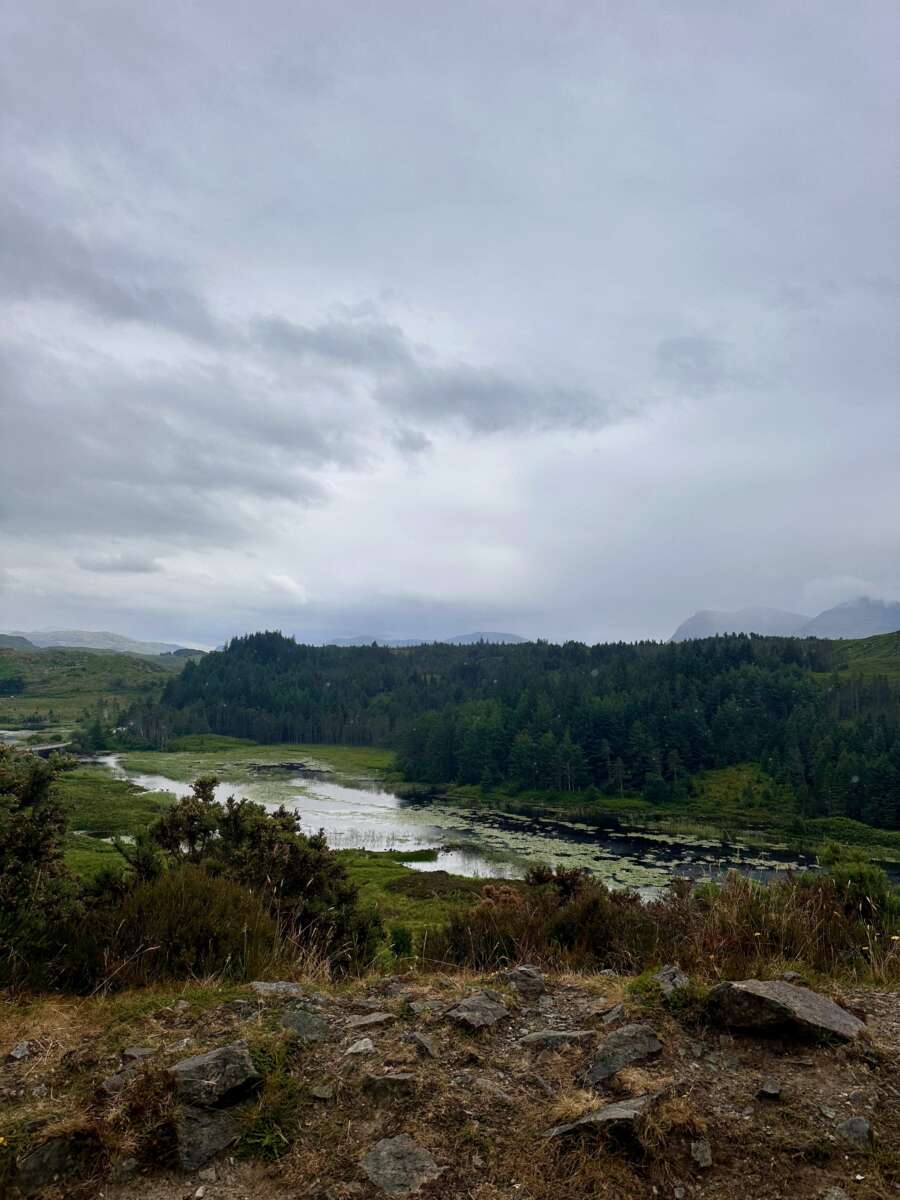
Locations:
(42, 258)
(118, 564)
(411, 441)
(695, 365)
(371, 345)
(488, 401)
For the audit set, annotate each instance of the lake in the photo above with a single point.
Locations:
(360, 813)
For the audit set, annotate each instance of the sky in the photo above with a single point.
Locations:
(411, 319)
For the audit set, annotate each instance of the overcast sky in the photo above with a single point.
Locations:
(419, 318)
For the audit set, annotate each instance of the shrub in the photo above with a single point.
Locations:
(185, 923)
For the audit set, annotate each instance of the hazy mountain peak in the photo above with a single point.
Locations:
(759, 619)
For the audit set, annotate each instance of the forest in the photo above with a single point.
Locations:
(639, 718)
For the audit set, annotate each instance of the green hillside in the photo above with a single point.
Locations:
(879, 655)
(58, 686)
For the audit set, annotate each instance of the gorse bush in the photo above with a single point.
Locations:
(212, 889)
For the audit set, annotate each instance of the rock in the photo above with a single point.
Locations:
(792, 977)
(857, 1131)
(551, 1038)
(616, 1013)
(835, 1193)
(399, 1166)
(701, 1153)
(273, 990)
(115, 1084)
(371, 1020)
(322, 1091)
(181, 1006)
(527, 980)
(670, 980)
(363, 1046)
(628, 1045)
(769, 1089)
(424, 1045)
(201, 1134)
(389, 1087)
(217, 1078)
(124, 1169)
(19, 1052)
(208, 1175)
(424, 1006)
(305, 1026)
(764, 1005)
(133, 1054)
(615, 1119)
(478, 1011)
(55, 1158)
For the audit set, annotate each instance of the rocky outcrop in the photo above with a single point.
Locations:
(481, 1010)
(306, 1027)
(216, 1079)
(202, 1133)
(618, 1120)
(629, 1045)
(761, 1005)
(56, 1159)
(528, 981)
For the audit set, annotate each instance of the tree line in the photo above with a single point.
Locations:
(621, 718)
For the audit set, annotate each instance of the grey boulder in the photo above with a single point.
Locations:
(305, 1026)
(757, 1004)
(56, 1158)
(217, 1078)
(857, 1131)
(617, 1120)
(201, 1134)
(371, 1020)
(399, 1166)
(276, 989)
(552, 1038)
(628, 1045)
(670, 980)
(527, 980)
(478, 1011)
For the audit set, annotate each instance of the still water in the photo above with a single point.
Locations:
(360, 814)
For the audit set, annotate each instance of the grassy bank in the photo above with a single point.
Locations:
(738, 803)
(235, 758)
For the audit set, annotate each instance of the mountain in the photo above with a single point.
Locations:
(773, 621)
(461, 639)
(14, 641)
(89, 639)
(859, 618)
(855, 619)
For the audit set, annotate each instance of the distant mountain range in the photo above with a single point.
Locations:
(461, 639)
(85, 639)
(859, 618)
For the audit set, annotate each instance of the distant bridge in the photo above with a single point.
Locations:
(50, 748)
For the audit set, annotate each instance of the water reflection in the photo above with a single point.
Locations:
(480, 843)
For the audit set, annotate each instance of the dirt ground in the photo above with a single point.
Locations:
(481, 1106)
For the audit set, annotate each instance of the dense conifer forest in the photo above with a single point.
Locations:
(626, 718)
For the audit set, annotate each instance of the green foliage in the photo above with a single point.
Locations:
(401, 939)
(185, 923)
(646, 718)
(302, 882)
(39, 898)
